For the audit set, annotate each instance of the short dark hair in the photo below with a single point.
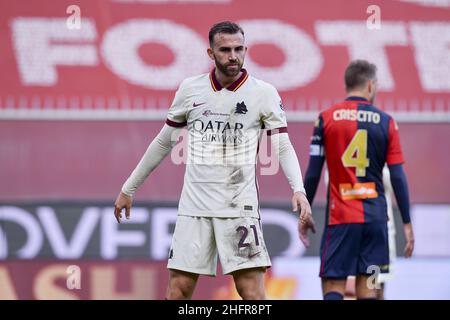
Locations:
(358, 73)
(223, 27)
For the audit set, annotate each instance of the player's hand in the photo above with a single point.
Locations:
(303, 228)
(300, 203)
(306, 221)
(122, 201)
(409, 236)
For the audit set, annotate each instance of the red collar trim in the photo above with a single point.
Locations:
(232, 87)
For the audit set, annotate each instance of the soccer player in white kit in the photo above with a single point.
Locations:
(218, 213)
(385, 277)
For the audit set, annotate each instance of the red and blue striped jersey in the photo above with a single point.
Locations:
(356, 139)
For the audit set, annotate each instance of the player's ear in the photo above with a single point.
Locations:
(370, 86)
(374, 85)
(210, 53)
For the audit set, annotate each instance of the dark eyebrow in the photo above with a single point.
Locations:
(229, 48)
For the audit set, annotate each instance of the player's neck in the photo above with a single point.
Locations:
(358, 93)
(224, 80)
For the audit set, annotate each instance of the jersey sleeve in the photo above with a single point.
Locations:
(316, 147)
(394, 150)
(273, 115)
(316, 160)
(176, 116)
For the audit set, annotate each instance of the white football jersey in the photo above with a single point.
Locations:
(224, 128)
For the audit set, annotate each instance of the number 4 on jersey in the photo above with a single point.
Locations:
(356, 153)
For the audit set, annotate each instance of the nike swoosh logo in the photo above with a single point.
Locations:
(197, 104)
(254, 255)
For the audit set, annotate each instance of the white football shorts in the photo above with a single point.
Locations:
(197, 241)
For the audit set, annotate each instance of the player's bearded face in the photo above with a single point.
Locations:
(228, 53)
(230, 68)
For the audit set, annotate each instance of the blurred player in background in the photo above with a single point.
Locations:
(356, 139)
(218, 213)
(384, 277)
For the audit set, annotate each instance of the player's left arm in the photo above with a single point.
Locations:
(283, 148)
(275, 121)
(399, 183)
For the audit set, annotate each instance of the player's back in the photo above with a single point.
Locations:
(358, 139)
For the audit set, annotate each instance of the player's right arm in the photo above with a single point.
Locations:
(312, 177)
(316, 160)
(158, 149)
(399, 183)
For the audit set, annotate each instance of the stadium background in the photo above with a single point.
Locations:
(78, 108)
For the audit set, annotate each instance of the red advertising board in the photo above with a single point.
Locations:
(123, 58)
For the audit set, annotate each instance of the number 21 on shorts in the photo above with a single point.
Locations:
(244, 230)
